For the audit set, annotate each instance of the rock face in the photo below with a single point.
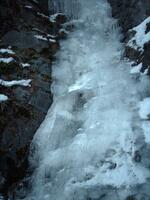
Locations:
(131, 13)
(30, 39)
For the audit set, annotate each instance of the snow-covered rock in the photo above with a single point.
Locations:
(3, 98)
(8, 51)
(15, 82)
(136, 69)
(141, 37)
(25, 65)
(6, 60)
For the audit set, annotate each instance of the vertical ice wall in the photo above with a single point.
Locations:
(84, 149)
(68, 7)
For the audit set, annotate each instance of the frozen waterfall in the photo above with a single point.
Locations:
(69, 7)
(85, 148)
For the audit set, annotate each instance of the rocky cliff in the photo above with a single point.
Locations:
(28, 43)
(133, 17)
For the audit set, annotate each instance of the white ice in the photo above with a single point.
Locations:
(87, 140)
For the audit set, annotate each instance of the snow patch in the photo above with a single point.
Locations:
(136, 69)
(6, 60)
(51, 36)
(141, 37)
(40, 37)
(3, 98)
(9, 51)
(29, 7)
(25, 65)
(15, 82)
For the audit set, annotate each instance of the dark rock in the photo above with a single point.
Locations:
(44, 5)
(7, 68)
(24, 40)
(130, 12)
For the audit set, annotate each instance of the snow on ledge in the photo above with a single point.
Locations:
(42, 15)
(24, 65)
(29, 7)
(3, 98)
(141, 37)
(6, 60)
(15, 83)
(40, 37)
(9, 51)
(144, 109)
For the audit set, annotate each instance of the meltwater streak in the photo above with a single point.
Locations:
(85, 146)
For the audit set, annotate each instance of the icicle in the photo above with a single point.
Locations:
(68, 7)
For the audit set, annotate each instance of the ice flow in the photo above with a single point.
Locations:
(85, 148)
